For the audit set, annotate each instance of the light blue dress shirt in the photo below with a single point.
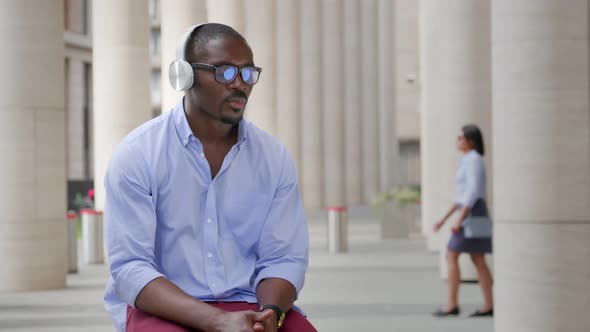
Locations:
(217, 238)
(470, 180)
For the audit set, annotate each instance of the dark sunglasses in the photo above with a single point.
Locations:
(226, 74)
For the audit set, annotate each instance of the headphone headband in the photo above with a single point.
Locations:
(181, 46)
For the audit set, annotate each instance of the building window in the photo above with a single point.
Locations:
(88, 174)
(156, 86)
(75, 16)
(409, 163)
(155, 42)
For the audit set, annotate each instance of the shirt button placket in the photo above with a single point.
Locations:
(210, 242)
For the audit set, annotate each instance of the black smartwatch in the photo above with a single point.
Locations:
(278, 311)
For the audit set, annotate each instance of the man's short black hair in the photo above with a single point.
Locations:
(200, 36)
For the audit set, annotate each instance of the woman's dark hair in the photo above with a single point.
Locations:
(472, 134)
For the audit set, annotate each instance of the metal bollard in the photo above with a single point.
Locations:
(92, 237)
(337, 229)
(72, 242)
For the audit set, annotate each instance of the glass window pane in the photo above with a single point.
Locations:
(155, 42)
(156, 96)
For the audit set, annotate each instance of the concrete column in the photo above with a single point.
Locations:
(333, 102)
(352, 102)
(176, 17)
(32, 146)
(121, 78)
(541, 145)
(260, 33)
(75, 119)
(437, 190)
(407, 84)
(370, 96)
(288, 82)
(455, 92)
(388, 142)
(311, 105)
(229, 12)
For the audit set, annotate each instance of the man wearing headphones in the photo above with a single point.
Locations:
(204, 223)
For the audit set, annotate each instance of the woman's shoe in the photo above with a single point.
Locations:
(477, 313)
(441, 313)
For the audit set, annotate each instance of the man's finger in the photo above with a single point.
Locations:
(262, 316)
(258, 327)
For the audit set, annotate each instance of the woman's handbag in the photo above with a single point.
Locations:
(478, 224)
(477, 227)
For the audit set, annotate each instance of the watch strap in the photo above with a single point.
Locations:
(280, 314)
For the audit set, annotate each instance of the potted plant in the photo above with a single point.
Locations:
(397, 211)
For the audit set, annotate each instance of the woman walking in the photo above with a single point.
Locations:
(470, 200)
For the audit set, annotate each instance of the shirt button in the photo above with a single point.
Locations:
(209, 255)
(209, 220)
(202, 154)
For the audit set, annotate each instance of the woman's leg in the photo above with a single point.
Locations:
(485, 280)
(454, 278)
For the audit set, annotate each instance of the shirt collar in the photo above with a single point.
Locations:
(185, 132)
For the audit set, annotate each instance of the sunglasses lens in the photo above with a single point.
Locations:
(250, 75)
(247, 75)
(226, 73)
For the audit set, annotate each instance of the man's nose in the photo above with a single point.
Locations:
(238, 83)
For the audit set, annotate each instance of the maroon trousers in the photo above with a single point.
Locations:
(138, 320)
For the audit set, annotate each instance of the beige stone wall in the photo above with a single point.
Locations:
(33, 146)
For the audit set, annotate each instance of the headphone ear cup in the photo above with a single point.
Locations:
(181, 75)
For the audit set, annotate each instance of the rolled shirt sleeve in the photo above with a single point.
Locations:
(282, 250)
(130, 223)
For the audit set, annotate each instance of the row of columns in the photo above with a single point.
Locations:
(520, 71)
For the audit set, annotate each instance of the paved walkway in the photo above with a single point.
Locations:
(377, 286)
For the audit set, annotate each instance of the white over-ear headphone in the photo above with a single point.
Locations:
(180, 72)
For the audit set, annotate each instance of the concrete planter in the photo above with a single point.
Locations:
(397, 220)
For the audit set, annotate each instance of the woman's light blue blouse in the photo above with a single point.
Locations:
(470, 180)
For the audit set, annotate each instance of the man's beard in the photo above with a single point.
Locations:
(231, 120)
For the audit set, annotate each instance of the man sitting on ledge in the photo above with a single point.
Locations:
(204, 223)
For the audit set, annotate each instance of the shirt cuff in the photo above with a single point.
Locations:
(291, 272)
(129, 283)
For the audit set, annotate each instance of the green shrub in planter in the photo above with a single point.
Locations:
(402, 195)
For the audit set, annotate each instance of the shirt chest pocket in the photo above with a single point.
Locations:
(243, 216)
